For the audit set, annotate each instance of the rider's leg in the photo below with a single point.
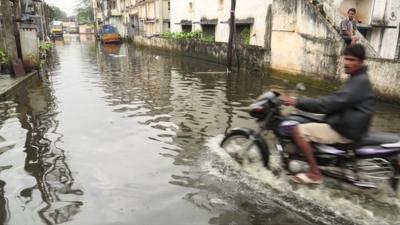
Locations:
(314, 172)
(354, 40)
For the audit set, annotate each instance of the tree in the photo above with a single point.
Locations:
(84, 11)
(58, 14)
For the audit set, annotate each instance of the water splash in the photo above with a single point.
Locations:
(328, 203)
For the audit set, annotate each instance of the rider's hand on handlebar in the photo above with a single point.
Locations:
(290, 101)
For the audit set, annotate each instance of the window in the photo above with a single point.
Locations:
(114, 4)
(243, 33)
(186, 28)
(208, 31)
(169, 5)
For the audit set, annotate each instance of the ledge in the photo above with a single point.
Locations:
(8, 84)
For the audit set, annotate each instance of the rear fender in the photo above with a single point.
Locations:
(252, 135)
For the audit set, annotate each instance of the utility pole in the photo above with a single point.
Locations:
(231, 35)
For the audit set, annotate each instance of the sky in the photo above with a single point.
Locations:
(65, 5)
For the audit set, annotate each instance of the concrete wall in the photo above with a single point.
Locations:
(385, 76)
(392, 14)
(29, 46)
(303, 41)
(220, 10)
(382, 15)
(250, 57)
(7, 30)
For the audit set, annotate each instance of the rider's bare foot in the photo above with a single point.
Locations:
(307, 178)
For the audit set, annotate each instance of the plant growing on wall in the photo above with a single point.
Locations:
(194, 35)
(3, 57)
(44, 48)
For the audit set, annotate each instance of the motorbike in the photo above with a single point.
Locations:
(365, 163)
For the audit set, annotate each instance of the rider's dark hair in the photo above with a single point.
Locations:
(356, 50)
(352, 10)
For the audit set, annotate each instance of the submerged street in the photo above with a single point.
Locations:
(113, 134)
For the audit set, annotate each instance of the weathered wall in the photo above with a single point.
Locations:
(385, 76)
(220, 10)
(372, 13)
(7, 30)
(250, 57)
(303, 41)
(29, 46)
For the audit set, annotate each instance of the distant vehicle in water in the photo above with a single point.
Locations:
(56, 29)
(109, 34)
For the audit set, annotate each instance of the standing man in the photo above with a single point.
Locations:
(348, 112)
(348, 27)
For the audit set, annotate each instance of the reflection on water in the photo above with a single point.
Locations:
(112, 134)
(87, 38)
(45, 161)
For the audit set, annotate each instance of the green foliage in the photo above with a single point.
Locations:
(58, 14)
(84, 11)
(44, 48)
(3, 57)
(245, 36)
(194, 35)
(208, 38)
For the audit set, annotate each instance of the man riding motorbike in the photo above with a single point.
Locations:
(348, 111)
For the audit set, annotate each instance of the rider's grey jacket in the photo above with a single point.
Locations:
(349, 110)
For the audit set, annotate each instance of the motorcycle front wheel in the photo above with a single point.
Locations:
(245, 148)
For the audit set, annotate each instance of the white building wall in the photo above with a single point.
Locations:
(179, 11)
(220, 9)
(391, 36)
(374, 13)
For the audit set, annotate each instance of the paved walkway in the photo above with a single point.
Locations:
(8, 83)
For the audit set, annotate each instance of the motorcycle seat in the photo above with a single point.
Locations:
(378, 139)
(304, 117)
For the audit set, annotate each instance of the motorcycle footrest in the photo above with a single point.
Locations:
(365, 184)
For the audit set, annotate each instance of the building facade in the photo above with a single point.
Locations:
(22, 24)
(212, 18)
(379, 19)
(87, 28)
(378, 22)
(134, 17)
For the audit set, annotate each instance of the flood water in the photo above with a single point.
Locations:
(120, 135)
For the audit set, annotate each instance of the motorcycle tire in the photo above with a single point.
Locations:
(240, 139)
